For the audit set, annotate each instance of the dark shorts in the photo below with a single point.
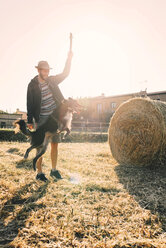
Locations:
(56, 138)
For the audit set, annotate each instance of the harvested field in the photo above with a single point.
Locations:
(99, 203)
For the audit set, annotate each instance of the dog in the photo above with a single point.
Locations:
(59, 121)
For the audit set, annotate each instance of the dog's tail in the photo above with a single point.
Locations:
(21, 126)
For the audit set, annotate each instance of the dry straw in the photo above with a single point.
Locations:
(137, 132)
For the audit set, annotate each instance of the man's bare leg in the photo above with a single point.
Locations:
(54, 155)
(39, 165)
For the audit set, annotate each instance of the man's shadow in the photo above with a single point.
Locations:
(10, 231)
(22, 163)
(26, 164)
(148, 186)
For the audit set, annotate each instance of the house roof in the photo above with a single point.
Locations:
(128, 94)
(9, 113)
(156, 93)
(106, 97)
(3, 112)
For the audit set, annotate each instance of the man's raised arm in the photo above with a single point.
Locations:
(61, 76)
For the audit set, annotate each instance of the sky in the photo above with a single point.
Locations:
(118, 46)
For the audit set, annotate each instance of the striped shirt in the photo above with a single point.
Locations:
(47, 101)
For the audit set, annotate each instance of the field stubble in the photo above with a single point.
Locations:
(99, 203)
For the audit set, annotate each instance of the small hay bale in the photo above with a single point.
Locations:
(137, 132)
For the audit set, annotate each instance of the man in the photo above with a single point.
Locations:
(43, 96)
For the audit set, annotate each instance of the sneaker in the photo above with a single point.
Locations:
(55, 174)
(41, 177)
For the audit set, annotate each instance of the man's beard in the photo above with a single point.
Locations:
(42, 77)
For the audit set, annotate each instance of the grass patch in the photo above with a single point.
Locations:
(98, 203)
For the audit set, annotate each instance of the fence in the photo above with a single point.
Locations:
(86, 126)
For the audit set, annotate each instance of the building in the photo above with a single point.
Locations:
(101, 108)
(23, 113)
(160, 95)
(7, 119)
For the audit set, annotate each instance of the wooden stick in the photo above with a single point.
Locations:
(71, 37)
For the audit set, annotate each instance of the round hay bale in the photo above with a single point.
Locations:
(137, 132)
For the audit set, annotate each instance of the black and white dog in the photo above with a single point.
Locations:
(60, 120)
